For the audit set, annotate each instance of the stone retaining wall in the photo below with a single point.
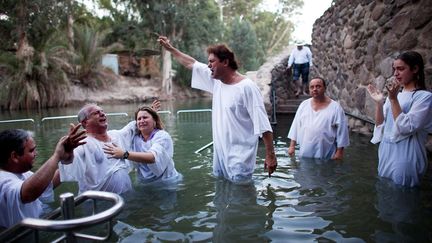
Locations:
(356, 41)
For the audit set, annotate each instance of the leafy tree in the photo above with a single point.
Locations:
(273, 29)
(244, 42)
(272, 39)
(31, 76)
(37, 55)
(38, 81)
(190, 25)
(89, 49)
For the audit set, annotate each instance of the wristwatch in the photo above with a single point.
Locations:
(126, 155)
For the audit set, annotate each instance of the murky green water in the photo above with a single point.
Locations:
(304, 201)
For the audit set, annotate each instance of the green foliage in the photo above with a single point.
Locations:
(88, 55)
(272, 29)
(47, 56)
(34, 82)
(245, 45)
(273, 39)
(190, 25)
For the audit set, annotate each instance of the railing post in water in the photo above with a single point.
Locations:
(67, 205)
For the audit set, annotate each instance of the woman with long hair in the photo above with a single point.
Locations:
(403, 121)
(152, 149)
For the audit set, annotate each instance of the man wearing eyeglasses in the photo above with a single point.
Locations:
(91, 168)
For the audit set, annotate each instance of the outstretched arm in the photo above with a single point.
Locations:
(34, 186)
(118, 153)
(183, 58)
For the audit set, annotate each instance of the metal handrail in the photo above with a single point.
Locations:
(164, 112)
(204, 147)
(192, 111)
(360, 118)
(75, 224)
(18, 120)
(69, 226)
(75, 116)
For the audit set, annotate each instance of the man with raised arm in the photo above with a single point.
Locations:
(238, 114)
(22, 191)
(92, 168)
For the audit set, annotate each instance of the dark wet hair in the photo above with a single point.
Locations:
(414, 59)
(322, 80)
(153, 113)
(12, 140)
(223, 52)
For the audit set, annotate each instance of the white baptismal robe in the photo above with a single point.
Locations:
(162, 148)
(402, 151)
(319, 133)
(238, 119)
(12, 209)
(95, 170)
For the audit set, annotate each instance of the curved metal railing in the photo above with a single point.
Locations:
(70, 225)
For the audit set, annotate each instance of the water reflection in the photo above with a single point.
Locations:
(239, 218)
(323, 186)
(308, 194)
(304, 200)
(150, 211)
(401, 208)
(150, 202)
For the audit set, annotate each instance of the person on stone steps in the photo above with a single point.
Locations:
(301, 61)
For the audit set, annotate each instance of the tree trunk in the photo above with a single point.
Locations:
(24, 51)
(70, 22)
(167, 73)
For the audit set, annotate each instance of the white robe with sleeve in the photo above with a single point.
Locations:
(238, 119)
(95, 170)
(402, 151)
(162, 148)
(12, 209)
(319, 133)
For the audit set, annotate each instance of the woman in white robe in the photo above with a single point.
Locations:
(403, 122)
(152, 149)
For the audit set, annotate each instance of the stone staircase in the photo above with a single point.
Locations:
(290, 106)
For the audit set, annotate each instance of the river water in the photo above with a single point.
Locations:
(304, 201)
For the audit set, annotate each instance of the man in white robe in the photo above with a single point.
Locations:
(320, 126)
(92, 168)
(22, 192)
(238, 114)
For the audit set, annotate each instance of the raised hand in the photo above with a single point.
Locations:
(376, 95)
(156, 105)
(165, 42)
(68, 143)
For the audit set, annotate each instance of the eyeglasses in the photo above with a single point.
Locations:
(97, 112)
